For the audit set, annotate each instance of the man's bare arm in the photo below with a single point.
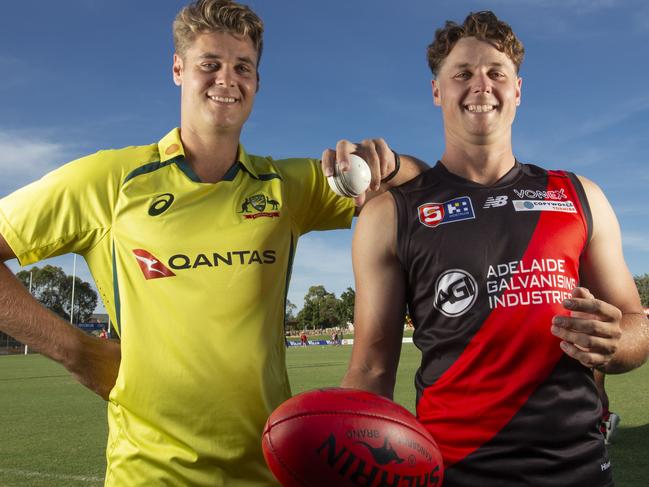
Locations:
(92, 361)
(608, 329)
(379, 310)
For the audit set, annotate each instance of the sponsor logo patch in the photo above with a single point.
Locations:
(495, 201)
(455, 292)
(455, 210)
(554, 194)
(534, 205)
(160, 204)
(258, 206)
(150, 265)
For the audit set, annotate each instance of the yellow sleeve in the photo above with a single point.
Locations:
(312, 204)
(67, 210)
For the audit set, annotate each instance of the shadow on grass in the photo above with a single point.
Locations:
(630, 456)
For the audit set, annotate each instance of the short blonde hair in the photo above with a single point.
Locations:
(484, 26)
(204, 16)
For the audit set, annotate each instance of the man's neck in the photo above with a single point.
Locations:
(484, 164)
(210, 155)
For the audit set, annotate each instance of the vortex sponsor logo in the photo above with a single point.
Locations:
(555, 194)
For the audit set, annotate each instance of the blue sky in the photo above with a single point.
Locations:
(82, 75)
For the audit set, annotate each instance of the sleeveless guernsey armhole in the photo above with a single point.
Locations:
(585, 205)
(403, 232)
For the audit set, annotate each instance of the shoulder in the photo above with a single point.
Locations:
(117, 162)
(596, 197)
(605, 222)
(378, 218)
(382, 204)
(284, 167)
(375, 237)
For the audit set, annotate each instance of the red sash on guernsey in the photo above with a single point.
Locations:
(513, 343)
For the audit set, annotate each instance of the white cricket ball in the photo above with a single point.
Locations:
(353, 182)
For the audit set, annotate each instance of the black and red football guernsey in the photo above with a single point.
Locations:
(487, 268)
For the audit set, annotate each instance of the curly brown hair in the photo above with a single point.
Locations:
(484, 26)
(203, 16)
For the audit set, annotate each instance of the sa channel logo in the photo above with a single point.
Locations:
(451, 211)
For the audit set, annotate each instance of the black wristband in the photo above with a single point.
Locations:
(397, 165)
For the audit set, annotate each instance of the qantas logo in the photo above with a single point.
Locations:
(151, 267)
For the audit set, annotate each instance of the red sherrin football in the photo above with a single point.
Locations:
(345, 437)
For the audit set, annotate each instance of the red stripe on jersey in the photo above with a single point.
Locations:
(512, 353)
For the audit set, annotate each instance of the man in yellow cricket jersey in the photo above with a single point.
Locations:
(190, 241)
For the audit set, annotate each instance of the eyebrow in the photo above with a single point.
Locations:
(211, 56)
(468, 65)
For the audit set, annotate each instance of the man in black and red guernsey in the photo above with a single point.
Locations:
(515, 281)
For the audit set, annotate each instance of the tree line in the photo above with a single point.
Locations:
(52, 287)
(321, 310)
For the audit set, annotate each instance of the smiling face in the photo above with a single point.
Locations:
(218, 79)
(478, 90)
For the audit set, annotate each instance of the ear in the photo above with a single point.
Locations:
(178, 70)
(437, 99)
(519, 91)
(258, 81)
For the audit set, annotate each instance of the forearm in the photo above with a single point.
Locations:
(633, 347)
(370, 379)
(410, 167)
(25, 319)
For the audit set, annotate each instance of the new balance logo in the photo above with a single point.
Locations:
(151, 267)
(495, 201)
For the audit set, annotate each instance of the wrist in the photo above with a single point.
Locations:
(397, 166)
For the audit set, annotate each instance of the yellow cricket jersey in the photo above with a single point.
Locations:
(195, 277)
